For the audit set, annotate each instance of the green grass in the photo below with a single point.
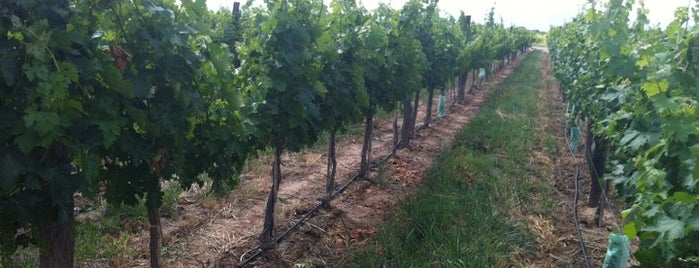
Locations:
(463, 215)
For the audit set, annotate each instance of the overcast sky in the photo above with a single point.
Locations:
(532, 14)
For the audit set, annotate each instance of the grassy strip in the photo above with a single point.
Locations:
(465, 213)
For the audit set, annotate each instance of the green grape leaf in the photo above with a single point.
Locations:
(43, 122)
(33, 72)
(110, 132)
(15, 35)
(628, 136)
(36, 49)
(654, 87)
(59, 86)
(69, 71)
(643, 62)
(689, 180)
(113, 79)
(630, 229)
(11, 168)
(682, 197)
(26, 142)
(652, 211)
(695, 155)
(669, 228)
(693, 222)
(677, 129)
(10, 68)
(139, 116)
(279, 85)
(76, 105)
(664, 104)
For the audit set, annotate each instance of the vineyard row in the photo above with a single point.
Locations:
(117, 96)
(637, 86)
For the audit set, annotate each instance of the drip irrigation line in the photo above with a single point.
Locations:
(304, 217)
(347, 184)
(576, 195)
(575, 218)
(298, 222)
(258, 253)
(588, 160)
(259, 250)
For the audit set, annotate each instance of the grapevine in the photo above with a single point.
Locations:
(637, 84)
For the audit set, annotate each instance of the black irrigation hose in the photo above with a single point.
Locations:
(588, 159)
(259, 251)
(575, 218)
(316, 208)
(575, 198)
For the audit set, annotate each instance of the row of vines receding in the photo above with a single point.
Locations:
(638, 86)
(114, 98)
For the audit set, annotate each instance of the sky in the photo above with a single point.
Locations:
(532, 14)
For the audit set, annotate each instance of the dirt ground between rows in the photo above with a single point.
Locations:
(221, 232)
(557, 236)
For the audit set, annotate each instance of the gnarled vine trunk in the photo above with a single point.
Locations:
(331, 169)
(61, 245)
(366, 147)
(413, 119)
(428, 113)
(396, 139)
(153, 203)
(156, 237)
(461, 96)
(595, 155)
(268, 237)
(408, 124)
